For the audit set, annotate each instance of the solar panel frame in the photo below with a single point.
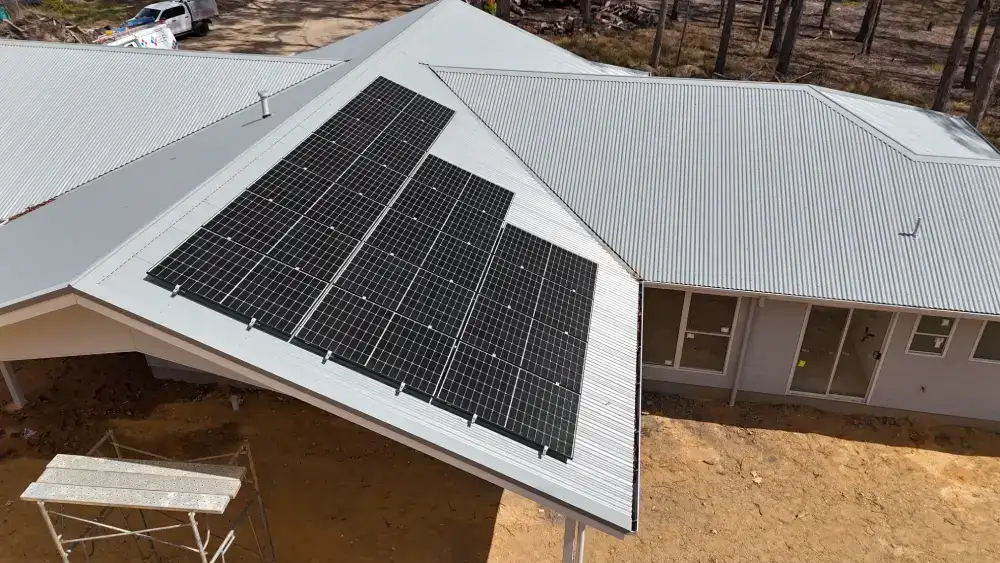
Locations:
(564, 309)
(544, 413)
(349, 132)
(394, 153)
(472, 226)
(389, 92)
(275, 295)
(345, 211)
(289, 185)
(429, 111)
(479, 384)
(377, 277)
(436, 303)
(497, 330)
(403, 237)
(424, 203)
(523, 249)
(321, 157)
(443, 176)
(457, 261)
(555, 355)
(253, 222)
(485, 196)
(345, 325)
(370, 111)
(375, 181)
(205, 266)
(512, 286)
(413, 131)
(314, 248)
(572, 271)
(413, 354)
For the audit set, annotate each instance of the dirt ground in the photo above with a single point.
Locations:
(755, 483)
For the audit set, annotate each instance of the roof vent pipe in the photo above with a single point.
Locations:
(265, 111)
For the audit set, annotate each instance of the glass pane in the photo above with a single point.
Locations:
(989, 343)
(930, 324)
(861, 352)
(928, 344)
(661, 322)
(704, 351)
(819, 349)
(711, 313)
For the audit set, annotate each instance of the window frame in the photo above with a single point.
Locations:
(979, 338)
(947, 338)
(682, 331)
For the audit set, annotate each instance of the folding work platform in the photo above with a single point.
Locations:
(116, 485)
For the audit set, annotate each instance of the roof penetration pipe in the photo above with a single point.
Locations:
(265, 111)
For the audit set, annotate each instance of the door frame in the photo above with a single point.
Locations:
(840, 348)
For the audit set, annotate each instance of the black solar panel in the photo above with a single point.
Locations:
(253, 222)
(425, 204)
(372, 180)
(512, 286)
(413, 354)
(290, 186)
(314, 248)
(436, 303)
(524, 249)
(345, 211)
(349, 132)
(544, 413)
(479, 384)
(321, 157)
(456, 261)
(403, 237)
(346, 325)
(442, 175)
(487, 197)
(206, 266)
(411, 300)
(275, 295)
(497, 330)
(378, 277)
(554, 355)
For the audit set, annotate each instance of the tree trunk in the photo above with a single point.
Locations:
(866, 23)
(985, 83)
(766, 8)
(588, 18)
(684, 30)
(867, 47)
(661, 22)
(943, 96)
(769, 14)
(727, 32)
(791, 33)
(722, 13)
(826, 12)
(977, 42)
(503, 10)
(779, 28)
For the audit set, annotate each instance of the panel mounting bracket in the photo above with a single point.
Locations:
(472, 420)
(326, 357)
(176, 289)
(253, 321)
(402, 385)
(545, 450)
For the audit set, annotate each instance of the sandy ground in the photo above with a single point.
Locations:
(752, 483)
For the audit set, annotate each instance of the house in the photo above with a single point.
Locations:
(772, 238)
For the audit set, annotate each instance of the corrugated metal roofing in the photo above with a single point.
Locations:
(769, 189)
(599, 483)
(924, 132)
(75, 112)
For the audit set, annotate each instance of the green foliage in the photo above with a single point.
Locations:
(490, 6)
(84, 13)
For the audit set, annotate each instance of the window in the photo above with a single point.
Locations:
(931, 335)
(172, 13)
(147, 13)
(687, 330)
(988, 347)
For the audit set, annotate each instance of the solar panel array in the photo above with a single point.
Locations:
(364, 249)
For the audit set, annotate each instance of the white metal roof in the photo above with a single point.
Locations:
(599, 484)
(763, 188)
(74, 112)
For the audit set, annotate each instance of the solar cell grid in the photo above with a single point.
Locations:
(394, 153)
(411, 353)
(564, 310)
(372, 180)
(413, 130)
(442, 175)
(436, 303)
(487, 197)
(253, 222)
(523, 249)
(206, 265)
(290, 186)
(403, 237)
(456, 261)
(555, 356)
(425, 204)
(572, 271)
(389, 92)
(345, 211)
(321, 157)
(314, 248)
(377, 277)
(346, 325)
(370, 111)
(429, 111)
(512, 286)
(275, 295)
(479, 384)
(348, 132)
(544, 413)
(497, 330)
(472, 226)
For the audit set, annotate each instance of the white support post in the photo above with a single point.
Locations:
(581, 537)
(12, 385)
(569, 536)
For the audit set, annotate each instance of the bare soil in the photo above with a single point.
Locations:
(751, 483)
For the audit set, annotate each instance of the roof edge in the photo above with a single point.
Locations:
(88, 47)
